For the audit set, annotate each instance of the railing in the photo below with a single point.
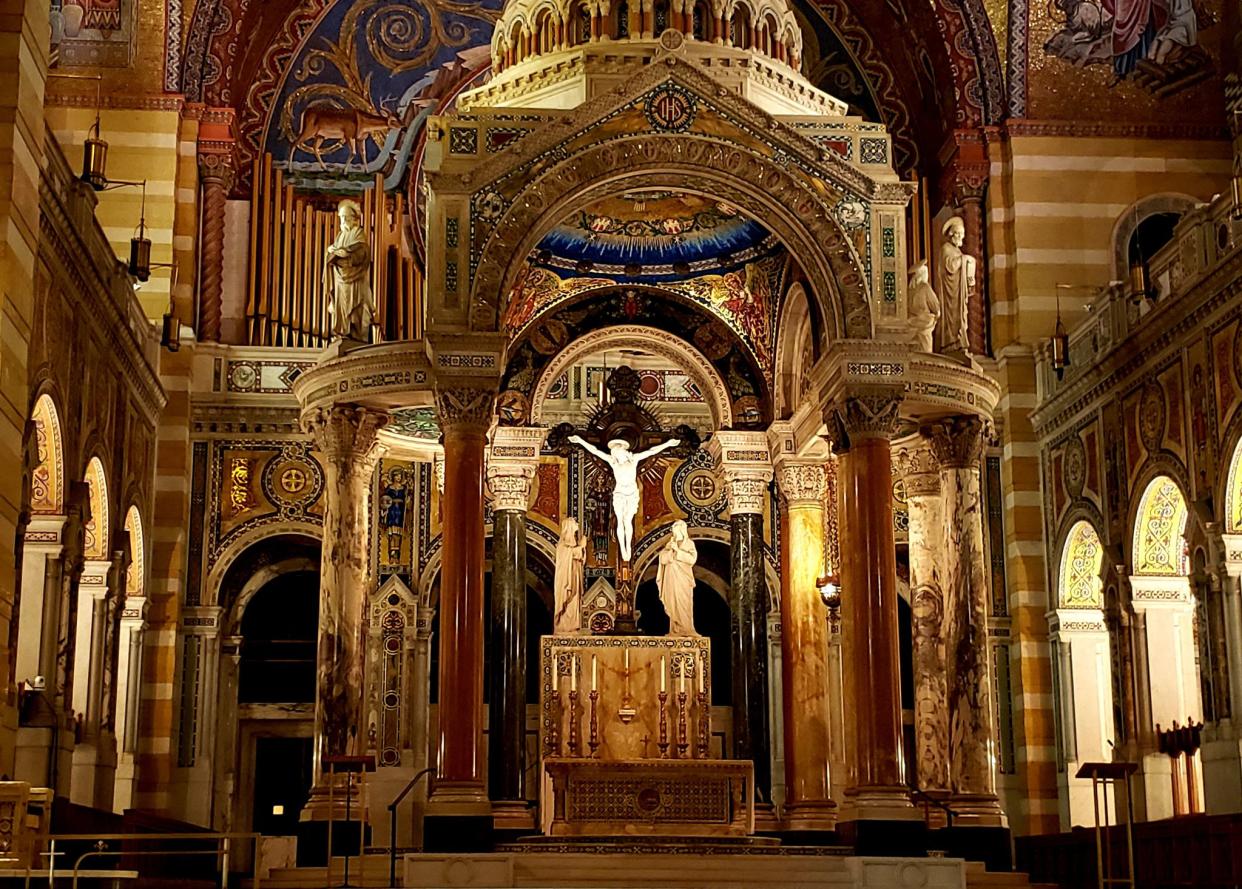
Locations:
(222, 851)
(928, 800)
(392, 823)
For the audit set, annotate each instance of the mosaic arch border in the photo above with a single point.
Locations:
(135, 573)
(1232, 495)
(45, 404)
(1134, 214)
(97, 541)
(231, 622)
(1169, 514)
(621, 336)
(1082, 534)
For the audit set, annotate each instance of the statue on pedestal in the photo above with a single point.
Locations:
(625, 496)
(957, 280)
(675, 580)
(924, 307)
(567, 582)
(347, 277)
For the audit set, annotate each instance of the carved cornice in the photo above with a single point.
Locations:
(957, 442)
(511, 463)
(1082, 129)
(742, 458)
(346, 436)
(382, 376)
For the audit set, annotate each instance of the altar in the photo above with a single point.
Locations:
(625, 731)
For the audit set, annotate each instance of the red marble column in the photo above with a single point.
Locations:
(461, 766)
(864, 426)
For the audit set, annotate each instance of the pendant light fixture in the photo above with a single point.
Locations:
(170, 334)
(1060, 340)
(140, 244)
(94, 148)
(1140, 282)
(1237, 164)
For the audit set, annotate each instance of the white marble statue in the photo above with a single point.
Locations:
(675, 580)
(956, 282)
(567, 582)
(924, 305)
(624, 466)
(347, 277)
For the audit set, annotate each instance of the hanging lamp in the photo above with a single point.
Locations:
(140, 244)
(1060, 340)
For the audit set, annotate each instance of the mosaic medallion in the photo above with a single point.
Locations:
(1151, 415)
(1075, 466)
(670, 109)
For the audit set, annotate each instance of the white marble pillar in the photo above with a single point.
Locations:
(1222, 750)
(1084, 676)
(129, 698)
(41, 545)
(226, 780)
(1167, 611)
(921, 475)
(958, 445)
(346, 439)
(201, 624)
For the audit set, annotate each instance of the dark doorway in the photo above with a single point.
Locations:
(282, 783)
(280, 632)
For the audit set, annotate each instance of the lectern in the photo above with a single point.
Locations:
(348, 766)
(1104, 775)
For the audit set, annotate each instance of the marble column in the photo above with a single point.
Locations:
(512, 460)
(1223, 789)
(747, 473)
(461, 787)
(921, 475)
(41, 544)
(958, 446)
(862, 426)
(129, 697)
(345, 438)
(804, 643)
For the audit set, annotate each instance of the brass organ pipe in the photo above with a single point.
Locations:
(299, 256)
(253, 259)
(288, 292)
(265, 291)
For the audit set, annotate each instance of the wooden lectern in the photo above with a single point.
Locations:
(1104, 775)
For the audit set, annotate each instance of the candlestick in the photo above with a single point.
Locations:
(593, 738)
(683, 716)
(705, 719)
(554, 733)
(575, 742)
(663, 742)
(663, 674)
(594, 673)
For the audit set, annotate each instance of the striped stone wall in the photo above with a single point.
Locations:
(1054, 203)
(23, 46)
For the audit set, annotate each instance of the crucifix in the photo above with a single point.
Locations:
(623, 424)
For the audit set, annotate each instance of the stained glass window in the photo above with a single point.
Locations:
(1081, 560)
(1159, 541)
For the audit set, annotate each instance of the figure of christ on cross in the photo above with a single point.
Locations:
(624, 465)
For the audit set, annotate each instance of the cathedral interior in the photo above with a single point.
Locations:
(608, 443)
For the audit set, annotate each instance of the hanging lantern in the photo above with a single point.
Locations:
(170, 336)
(140, 254)
(1237, 190)
(1140, 282)
(1060, 348)
(95, 160)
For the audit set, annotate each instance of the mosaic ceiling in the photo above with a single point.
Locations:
(653, 235)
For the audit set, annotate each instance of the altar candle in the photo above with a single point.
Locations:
(594, 673)
(573, 674)
(682, 679)
(702, 670)
(662, 674)
(627, 662)
(556, 672)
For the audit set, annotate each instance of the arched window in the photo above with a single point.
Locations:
(581, 23)
(1079, 584)
(96, 538)
(1159, 530)
(699, 22)
(660, 10)
(47, 482)
(739, 28)
(621, 23)
(136, 573)
(1233, 492)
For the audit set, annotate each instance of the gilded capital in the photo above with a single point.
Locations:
(465, 408)
(511, 463)
(746, 488)
(802, 482)
(510, 485)
(746, 468)
(863, 415)
(957, 442)
(346, 436)
(217, 168)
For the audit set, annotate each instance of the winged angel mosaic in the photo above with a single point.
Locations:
(363, 83)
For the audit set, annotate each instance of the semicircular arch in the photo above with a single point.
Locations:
(1080, 581)
(637, 336)
(694, 164)
(233, 553)
(1159, 530)
(47, 482)
(97, 541)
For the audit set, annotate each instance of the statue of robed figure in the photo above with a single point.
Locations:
(347, 277)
